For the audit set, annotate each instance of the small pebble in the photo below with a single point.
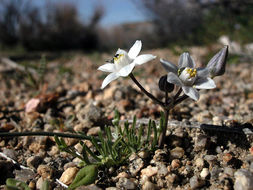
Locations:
(125, 184)
(93, 131)
(227, 157)
(149, 186)
(68, 175)
(204, 173)
(39, 183)
(195, 182)
(177, 153)
(201, 142)
(149, 171)
(162, 169)
(45, 171)
(175, 164)
(199, 162)
(10, 153)
(229, 171)
(171, 178)
(122, 175)
(135, 166)
(143, 154)
(34, 161)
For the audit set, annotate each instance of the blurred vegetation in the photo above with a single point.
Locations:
(55, 27)
(58, 26)
(197, 22)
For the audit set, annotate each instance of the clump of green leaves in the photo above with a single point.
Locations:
(114, 146)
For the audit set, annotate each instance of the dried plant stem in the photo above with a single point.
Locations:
(42, 133)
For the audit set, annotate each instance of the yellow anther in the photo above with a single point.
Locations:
(117, 57)
(192, 72)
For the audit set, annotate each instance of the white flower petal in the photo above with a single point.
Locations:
(186, 60)
(173, 78)
(169, 67)
(204, 83)
(135, 49)
(202, 72)
(121, 51)
(108, 67)
(108, 79)
(143, 59)
(126, 70)
(191, 92)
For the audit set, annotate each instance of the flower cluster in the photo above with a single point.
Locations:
(185, 75)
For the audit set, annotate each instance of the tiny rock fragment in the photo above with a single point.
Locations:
(175, 163)
(204, 173)
(195, 182)
(136, 166)
(45, 171)
(149, 186)
(149, 171)
(177, 153)
(36, 147)
(32, 105)
(125, 183)
(68, 175)
(199, 162)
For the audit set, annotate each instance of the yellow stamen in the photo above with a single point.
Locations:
(191, 72)
(117, 57)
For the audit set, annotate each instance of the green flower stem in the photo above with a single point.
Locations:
(146, 92)
(166, 113)
(42, 133)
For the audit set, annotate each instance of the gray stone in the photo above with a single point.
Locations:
(24, 175)
(162, 169)
(202, 142)
(136, 166)
(89, 113)
(34, 161)
(195, 182)
(177, 152)
(10, 153)
(149, 186)
(243, 180)
(229, 171)
(125, 184)
(215, 171)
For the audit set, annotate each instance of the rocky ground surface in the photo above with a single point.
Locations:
(194, 157)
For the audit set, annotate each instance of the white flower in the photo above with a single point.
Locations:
(123, 63)
(187, 76)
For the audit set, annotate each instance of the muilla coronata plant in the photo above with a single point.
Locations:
(186, 76)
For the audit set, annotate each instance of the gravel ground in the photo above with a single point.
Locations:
(208, 145)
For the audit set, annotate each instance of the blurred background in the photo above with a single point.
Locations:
(97, 25)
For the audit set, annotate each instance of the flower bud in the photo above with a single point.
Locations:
(164, 85)
(217, 65)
